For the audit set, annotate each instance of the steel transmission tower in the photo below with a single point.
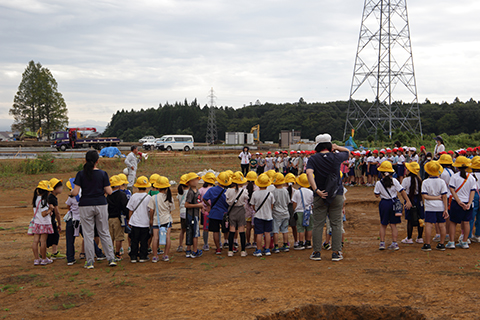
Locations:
(384, 65)
(212, 122)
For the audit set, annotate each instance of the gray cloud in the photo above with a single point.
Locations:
(109, 55)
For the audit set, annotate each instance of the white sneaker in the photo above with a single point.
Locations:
(436, 238)
(407, 241)
(450, 245)
(243, 254)
(419, 240)
(230, 253)
(460, 239)
(474, 239)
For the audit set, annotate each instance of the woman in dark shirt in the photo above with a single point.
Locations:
(93, 208)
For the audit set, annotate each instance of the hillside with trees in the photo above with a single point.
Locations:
(310, 118)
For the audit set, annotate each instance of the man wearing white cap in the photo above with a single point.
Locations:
(323, 171)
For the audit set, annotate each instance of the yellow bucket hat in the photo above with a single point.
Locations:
(251, 176)
(238, 178)
(153, 178)
(290, 178)
(224, 179)
(123, 178)
(302, 181)
(413, 167)
(54, 181)
(44, 185)
(445, 159)
(263, 181)
(386, 166)
(191, 176)
(462, 162)
(475, 163)
(115, 181)
(230, 173)
(433, 168)
(278, 179)
(142, 182)
(183, 179)
(209, 177)
(271, 173)
(161, 183)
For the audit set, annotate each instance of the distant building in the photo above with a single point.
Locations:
(237, 138)
(289, 137)
(6, 135)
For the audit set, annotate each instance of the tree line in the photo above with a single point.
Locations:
(310, 118)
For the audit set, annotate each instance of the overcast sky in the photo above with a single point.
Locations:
(111, 55)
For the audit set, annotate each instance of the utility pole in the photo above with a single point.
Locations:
(211, 137)
(384, 67)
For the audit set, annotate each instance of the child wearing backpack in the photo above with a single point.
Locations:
(139, 221)
(72, 223)
(117, 207)
(181, 197)
(193, 204)
(249, 212)
(386, 189)
(42, 222)
(413, 186)
(208, 182)
(236, 198)
(290, 180)
(434, 193)
(161, 206)
(302, 205)
(53, 239)
(462, 187)
(281, 215)
(262, 202)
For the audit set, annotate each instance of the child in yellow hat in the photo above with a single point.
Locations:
(386, 189)
(249, 212)
(236, 197)
(54, 238)
(161, 206)
(181, 196)
(208, 182)
(290, 181)
(41, 224)
(193, 204)
(434, 193)
(462, 187)
(280, 213)
(412, 184)
(303, 201)
(117, 207)
(262, 202)
(72, 223)
(139, 221)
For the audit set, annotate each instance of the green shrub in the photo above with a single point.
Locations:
(43, 164)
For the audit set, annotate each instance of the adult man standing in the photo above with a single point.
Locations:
(323, 171)
(132, 164)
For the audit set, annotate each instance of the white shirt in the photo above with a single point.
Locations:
(446, 176)
(39, 219)
(414, 158)
(469, 186)
(406, 183)
(73, 204)
(401, 159)
(438, 149)
(245, 157)
(181, 203)
(163, 210)
(231, 194)
(131, 161)
(380, 189)
(140, 217)
(477, 174)
(381, 160)
(265, 212)
(434, 186)
(270, 188)
(370, 159)
(307, 198)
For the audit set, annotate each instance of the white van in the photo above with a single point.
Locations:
(175, 142)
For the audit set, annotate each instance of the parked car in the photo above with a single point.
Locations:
(150, 145)
(175, 142)
(146, 139)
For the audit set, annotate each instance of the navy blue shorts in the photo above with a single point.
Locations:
(351, 173)
(262, 226)
(387, 216)
(418, 203)
(434, 217)
(400, 170)
(373, 169)
(458, 215)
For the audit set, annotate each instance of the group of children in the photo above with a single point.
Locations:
(294, 162)
(436, 194)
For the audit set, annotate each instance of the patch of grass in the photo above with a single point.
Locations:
(69, 305)
(56, 295)
(42, 284)
(124, 283)
(10, 288)
(87, 293)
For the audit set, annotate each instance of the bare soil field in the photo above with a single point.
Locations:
(367, 284)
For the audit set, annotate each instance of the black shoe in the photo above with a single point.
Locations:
(101, 257)
(308, 244)
(440, 247)
(337, 256)
(315, 256)
(427, 247)
(299, 246)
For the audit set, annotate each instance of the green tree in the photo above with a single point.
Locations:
(38, 104)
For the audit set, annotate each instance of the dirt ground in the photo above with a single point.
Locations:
(367, 284)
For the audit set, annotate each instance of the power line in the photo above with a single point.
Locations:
(212, 122)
